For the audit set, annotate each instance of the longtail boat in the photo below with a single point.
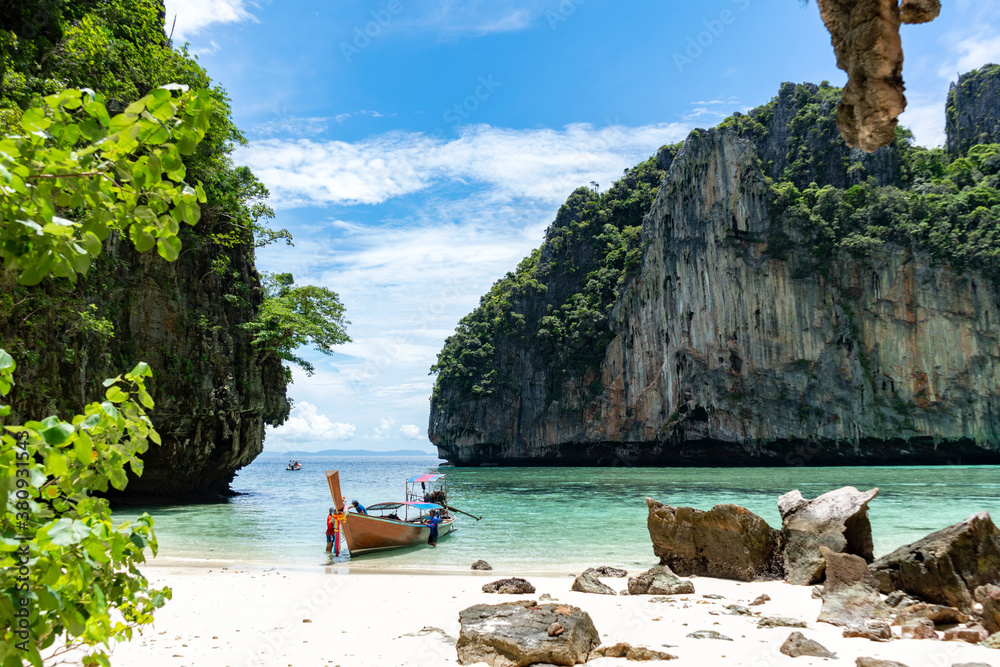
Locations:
(394, 524)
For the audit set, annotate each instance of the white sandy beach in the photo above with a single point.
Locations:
(234, 615)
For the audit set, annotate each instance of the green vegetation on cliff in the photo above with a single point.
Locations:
(950, 210)
(560, 296)
(972, 116)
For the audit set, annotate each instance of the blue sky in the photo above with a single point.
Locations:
(418, 149)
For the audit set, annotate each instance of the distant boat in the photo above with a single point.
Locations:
(293, 465)
(391, 525)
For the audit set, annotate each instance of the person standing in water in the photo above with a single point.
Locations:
(332, 535)
(433, 522)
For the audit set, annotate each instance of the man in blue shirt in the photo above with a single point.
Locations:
(433, 522)
(358, 507)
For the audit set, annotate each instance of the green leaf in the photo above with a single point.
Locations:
(7, 363)
(186, 146)
(142, 239)
(56, 464)
(91, 421)
(57, 434)
(144, 398)
(34, 120)
(84, 451)
(122, 122)
(169, 248)
(33, 273)
(110, 410)
(116, 395)
(141, 370)
(66, 532)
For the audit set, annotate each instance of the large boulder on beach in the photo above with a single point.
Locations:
(850, 594)
(837, 520)
(947, 566)
(516, 634)
(728, 542)
(659, 580)
(588, 582)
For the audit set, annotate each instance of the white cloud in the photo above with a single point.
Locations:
(474, 18)
(306, 426)
(411, 432)
(544, 165)
(972, 52)
(926, 121)
(192, 16)
(384, 429)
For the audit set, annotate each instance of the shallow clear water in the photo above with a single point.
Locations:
(543, 519)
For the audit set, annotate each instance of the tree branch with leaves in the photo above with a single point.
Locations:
(291, 317)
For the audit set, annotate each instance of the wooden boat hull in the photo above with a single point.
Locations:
(368, 533)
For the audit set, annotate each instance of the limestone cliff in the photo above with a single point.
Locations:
(973, 112)
(737, 342)
(214, 390)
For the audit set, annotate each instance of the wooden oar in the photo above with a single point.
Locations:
(454, 509)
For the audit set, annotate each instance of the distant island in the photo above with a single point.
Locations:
(349, 452)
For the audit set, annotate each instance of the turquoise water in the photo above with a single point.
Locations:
(543, 519)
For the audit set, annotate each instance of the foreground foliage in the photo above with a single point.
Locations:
(73, 159)
(69, 577)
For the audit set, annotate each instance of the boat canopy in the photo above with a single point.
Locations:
(424, 478)
(392, 506)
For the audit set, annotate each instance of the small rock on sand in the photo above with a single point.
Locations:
(589, 583)
(626, 650)
(709, 634)
(798, 645)
(972, 635)
(877, 631)
(780, 622)
(875, 662)
(919, 628)
(659, 580)
(760, 599)
(608, 571)
(512, 586)
(938, 614)
(481, 565)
